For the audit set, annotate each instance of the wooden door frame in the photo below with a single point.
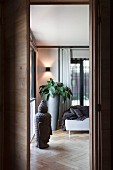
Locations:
(94, 93)
(97, 155)
(94, 57)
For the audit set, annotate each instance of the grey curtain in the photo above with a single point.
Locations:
(65, 76)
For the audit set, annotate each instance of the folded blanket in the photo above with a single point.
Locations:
(75, 113)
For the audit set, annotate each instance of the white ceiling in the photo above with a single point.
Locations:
(60, 25)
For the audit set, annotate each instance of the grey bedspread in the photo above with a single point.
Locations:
(75, 112)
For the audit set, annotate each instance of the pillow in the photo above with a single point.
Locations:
(85, 110)
(78, 113)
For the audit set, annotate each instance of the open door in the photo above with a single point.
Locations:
(16, 85)
(100, 112)
(1, 87)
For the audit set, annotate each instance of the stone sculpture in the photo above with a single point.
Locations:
(42, 126)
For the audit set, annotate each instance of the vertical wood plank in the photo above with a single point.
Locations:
(1, 87)
(111, 69)
(16, 85)
(94, 87)
(101, 133)
(105, 84)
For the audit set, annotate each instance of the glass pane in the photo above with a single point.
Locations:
(32, 74)
(75, 83)
(86, 82)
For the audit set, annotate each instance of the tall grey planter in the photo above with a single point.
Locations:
(53, 109)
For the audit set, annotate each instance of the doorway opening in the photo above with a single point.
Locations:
(48, 49)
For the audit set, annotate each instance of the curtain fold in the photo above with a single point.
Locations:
(65, 77)
(75, 83)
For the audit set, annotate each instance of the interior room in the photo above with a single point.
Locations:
(15, 91)
(59, 50)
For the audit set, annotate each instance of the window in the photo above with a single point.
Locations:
(32, 91)
(80, 81)
(32, 74)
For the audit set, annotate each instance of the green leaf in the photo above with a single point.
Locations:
(52, 91)
(68, 95)
(55, 88)
(46, 96)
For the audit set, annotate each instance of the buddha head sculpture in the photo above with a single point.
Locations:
(42, 108)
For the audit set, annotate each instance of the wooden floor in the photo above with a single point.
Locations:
(64, 153)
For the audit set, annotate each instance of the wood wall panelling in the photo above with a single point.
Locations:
(16, 85)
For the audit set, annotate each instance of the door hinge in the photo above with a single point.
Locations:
(99, 107)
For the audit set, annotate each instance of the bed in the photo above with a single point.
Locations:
(75, 125)
(76, 118)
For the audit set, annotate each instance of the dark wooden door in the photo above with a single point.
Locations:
(1, 86)
(100, 112)
(105, 88)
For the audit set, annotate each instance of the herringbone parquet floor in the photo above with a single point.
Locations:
(64, 153)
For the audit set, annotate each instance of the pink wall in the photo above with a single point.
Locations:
(47, 57)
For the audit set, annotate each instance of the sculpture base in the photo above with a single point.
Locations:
(44, 146)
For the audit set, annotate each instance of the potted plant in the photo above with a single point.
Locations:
(51, 92)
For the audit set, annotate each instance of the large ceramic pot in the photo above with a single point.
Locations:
(53, 109)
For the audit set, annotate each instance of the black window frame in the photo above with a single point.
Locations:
(33, 74)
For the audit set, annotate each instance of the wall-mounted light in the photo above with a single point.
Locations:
(48, 69)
